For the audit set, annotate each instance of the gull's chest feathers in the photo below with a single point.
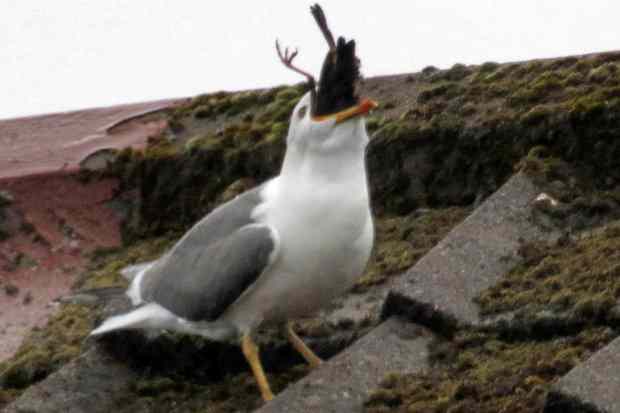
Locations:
(312, 217)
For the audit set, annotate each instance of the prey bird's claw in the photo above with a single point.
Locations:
(287, 60)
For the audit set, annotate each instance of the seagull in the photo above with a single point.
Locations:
(279, 251)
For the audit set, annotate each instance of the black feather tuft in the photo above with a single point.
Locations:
(340, 72)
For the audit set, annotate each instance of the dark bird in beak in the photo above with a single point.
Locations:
(339, 75)
(335, 95)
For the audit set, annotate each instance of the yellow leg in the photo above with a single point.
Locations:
(250, 351)
(297, 343)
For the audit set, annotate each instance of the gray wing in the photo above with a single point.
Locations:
(200, 283)
(223, 221)
(213, 264)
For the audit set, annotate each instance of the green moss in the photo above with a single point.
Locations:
(277, 111)
(524, 97)
(279, 129)
(534, 67)
(479, 372)
(583, 66)
(587, 107)
(562, 63)
(574, 79)
(606, 58)
(468, 109)
(234, 393)
(429, 70)
(498, 90)
(536, 115)
(446, 90)
(200, 101)
(161, 148)
(388, 105)
(45, 350)
(288, 94)
(547, 82)
(203, 111)
(241, 102)
(579, 278)
(402, 240)
(209, 106)
(603, 73)
(488, 67)
(373, 123)
(106, 265)
(490, 72)
(456, 73)
(202, 142)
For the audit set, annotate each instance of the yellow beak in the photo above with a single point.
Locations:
(365, 106)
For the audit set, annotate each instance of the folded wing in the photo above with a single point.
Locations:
(199, 283)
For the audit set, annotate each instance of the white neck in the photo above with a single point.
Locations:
(320, 169)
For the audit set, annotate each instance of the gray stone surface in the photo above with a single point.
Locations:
(592, 386)
(438, 291)
(94, 382)
(342, 384)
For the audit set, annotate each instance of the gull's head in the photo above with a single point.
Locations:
(343, 129)
(331, 116)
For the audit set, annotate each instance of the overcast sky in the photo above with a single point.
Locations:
(70, 54)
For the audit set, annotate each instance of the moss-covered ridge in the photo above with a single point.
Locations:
(213, 142)
(473, 124)
(439, 138)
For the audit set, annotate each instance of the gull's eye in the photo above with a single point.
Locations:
(302, 112)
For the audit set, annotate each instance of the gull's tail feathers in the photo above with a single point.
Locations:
(92, 296)
(148, 317)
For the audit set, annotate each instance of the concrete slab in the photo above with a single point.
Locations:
(439, 290)
(592, 386)
(342, 384)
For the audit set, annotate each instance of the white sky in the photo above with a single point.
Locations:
(70, 54)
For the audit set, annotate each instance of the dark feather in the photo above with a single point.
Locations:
(340, 72)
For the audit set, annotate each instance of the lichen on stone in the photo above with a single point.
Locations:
(46, 349)
(482, 373)
(577, 277)
(402, 240)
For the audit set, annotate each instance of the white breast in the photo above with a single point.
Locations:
(325, 238)
(319, 209)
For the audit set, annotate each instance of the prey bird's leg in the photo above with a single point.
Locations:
(250, 351)
(298, 344)
(321, 21)
(287, 60)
